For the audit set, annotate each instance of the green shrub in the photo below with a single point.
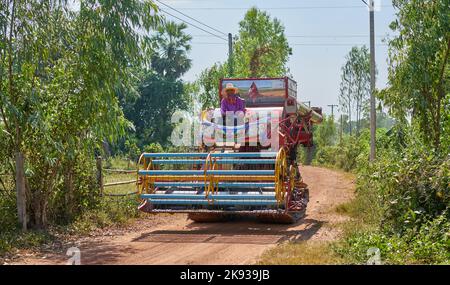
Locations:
(414, 186)
(345, 155)
(430, 244)
(110, 211)
(153, 148)
(10, 240)
(402, 203)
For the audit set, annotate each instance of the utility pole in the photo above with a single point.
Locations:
(230, 55)
(373, 115)
(332, 109)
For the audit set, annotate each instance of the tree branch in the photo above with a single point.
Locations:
(444, 64)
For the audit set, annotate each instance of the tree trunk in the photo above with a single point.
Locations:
(40, 209)
(349, 121)
(69, 195)
(437, 125)
(357, 117)
(99, 174)
(20, 190)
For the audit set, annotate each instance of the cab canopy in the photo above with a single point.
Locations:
(262, 92)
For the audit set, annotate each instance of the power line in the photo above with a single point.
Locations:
(299, 44)
(195, 26)
(315, 36)
(214, 29)
(280, 8)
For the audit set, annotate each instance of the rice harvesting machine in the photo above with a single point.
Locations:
(222, 180)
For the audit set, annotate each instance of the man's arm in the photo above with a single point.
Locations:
(242, 104)
(223, 107)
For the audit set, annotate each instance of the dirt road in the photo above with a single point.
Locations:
(175, 240)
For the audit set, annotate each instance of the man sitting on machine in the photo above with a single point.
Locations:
(231, 101)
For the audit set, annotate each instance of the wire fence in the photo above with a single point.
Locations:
(102, 185)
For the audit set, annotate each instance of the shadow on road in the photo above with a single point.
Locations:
(240, 232)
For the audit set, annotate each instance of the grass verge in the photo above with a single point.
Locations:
(304, 252)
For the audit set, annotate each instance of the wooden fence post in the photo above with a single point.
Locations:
(100, 174)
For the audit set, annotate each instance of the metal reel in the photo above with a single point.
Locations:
(281, 170)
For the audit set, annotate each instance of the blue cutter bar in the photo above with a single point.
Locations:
(220, 161)
(202, 197)
(220, 185)
(214, 202)
(218, 154)
(208, 172)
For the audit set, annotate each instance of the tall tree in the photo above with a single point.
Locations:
(261, 48)
(172, 45)
(355, 84)
(161, 91)
(419, 76)
(159, 98)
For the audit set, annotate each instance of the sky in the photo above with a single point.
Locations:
(320, 32)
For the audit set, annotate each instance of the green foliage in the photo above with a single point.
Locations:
(59, 73)
(160, 90)
(261, 48)
(414, 184)
(403, 201)
(209, 85)
(419, 73)
(430, 244)
(152, 112)
(325, 133)
(111, 211)
(15, 240)
(408, 185)
(153, 148)
(355, 85)
(343, 155)
(8, 221)
(132, 150)
(172, 45)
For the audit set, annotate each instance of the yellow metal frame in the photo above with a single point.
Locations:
(281, 167)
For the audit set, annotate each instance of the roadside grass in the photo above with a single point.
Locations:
(304, 252)
(119, 163)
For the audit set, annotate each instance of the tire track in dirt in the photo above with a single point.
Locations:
(177, 240)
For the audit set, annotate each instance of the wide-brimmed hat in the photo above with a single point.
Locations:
(230, 86)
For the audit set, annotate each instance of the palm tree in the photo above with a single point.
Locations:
(172, 45)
